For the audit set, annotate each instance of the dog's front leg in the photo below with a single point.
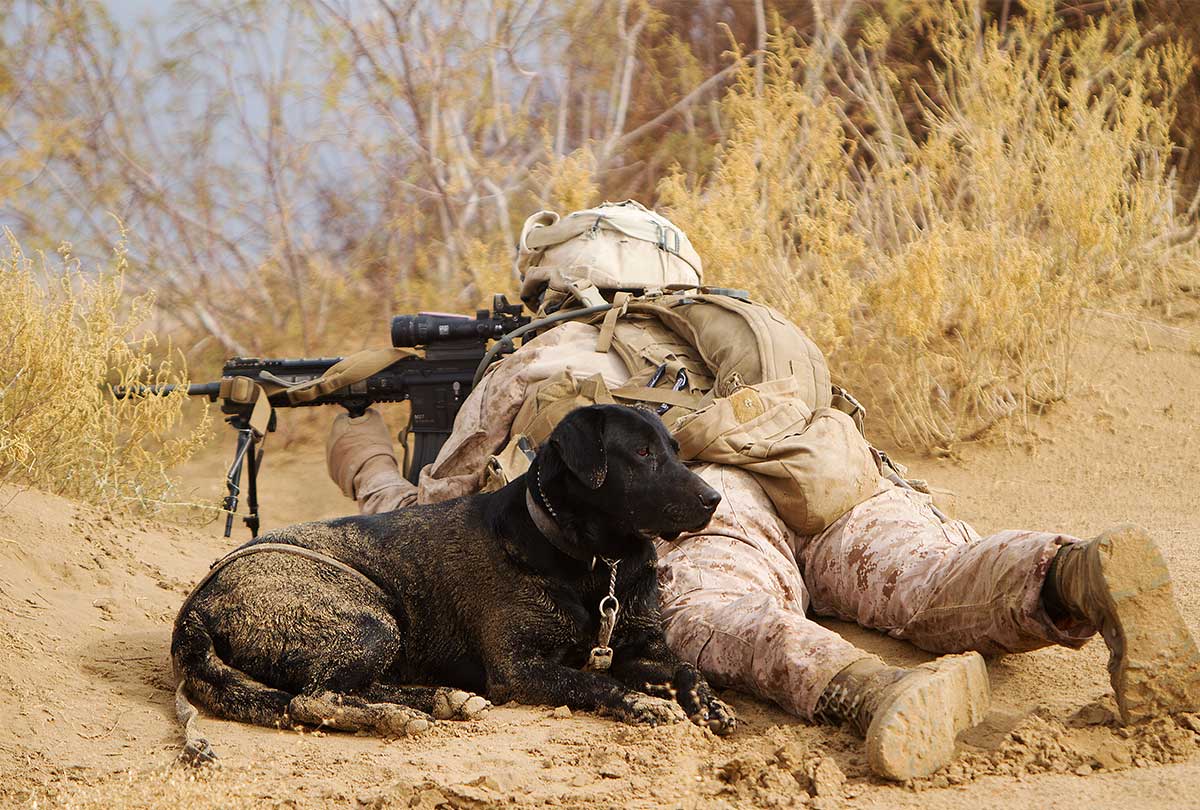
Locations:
(645, 662)
(656, 670)
(538, 681)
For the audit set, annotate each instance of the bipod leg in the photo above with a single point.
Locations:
(254, 458)
(233, 481)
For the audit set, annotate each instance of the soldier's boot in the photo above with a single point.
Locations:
(909, 717)
(1119, 583)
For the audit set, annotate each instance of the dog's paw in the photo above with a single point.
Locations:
(455, 704)
(640, 708)
(718, 716)
(696, 697)
(401, 721)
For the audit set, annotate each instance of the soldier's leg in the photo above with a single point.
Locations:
(734, 604)
(892, 565)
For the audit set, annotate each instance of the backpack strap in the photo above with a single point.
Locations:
(620, 304)
(847, 404)
(661, 396)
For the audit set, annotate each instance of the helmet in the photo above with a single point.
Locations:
(615, 246)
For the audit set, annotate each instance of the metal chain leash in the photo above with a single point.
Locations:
(600, 658)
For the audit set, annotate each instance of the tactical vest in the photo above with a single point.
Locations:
(736, 383)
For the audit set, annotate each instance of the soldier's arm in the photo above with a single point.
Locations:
(485, 420)
(361, 460)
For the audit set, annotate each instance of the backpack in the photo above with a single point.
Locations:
(733, 380)
(768, 405)
(736, 383)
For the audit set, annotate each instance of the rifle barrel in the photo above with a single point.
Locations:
(211, 390)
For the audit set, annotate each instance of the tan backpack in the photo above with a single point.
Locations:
(736, 383)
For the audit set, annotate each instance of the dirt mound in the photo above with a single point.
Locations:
(87, 599)
(1090, 741)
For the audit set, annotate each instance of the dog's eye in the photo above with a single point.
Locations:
(643, 451)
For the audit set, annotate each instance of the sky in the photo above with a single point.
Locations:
(128, 12)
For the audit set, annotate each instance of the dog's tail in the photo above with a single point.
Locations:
(196, 748)
(222, 689)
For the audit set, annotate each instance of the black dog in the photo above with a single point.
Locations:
(497, 593)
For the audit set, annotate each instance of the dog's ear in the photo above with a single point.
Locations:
(579, 440)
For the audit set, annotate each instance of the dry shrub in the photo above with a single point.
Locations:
(945, 271)
(66, 337)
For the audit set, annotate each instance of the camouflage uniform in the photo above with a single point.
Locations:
(736, 597)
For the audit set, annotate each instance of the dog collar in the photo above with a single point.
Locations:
(546, 521)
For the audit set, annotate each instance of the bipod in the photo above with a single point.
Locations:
(248, 454)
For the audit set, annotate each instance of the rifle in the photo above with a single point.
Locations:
(436, 380)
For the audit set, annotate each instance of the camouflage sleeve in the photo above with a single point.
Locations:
(361, 460)
(482, 426)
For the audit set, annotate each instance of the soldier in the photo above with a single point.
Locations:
(736, 597)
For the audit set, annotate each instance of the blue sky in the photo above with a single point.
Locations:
(128, 12)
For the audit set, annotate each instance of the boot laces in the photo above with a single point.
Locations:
(839, 704)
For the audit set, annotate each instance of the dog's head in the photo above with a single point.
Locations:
(613, 474)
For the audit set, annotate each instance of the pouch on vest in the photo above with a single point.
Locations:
(541, 412)
(553, 399)
(814, 465)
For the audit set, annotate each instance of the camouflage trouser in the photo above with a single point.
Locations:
(735, 598)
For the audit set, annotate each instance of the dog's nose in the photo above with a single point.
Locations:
(710, 499)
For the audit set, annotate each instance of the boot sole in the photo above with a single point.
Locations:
(914, 730)
(1158, 671)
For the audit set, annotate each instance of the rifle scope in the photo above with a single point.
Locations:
(429, 327)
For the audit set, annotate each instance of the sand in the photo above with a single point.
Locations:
(87, 599)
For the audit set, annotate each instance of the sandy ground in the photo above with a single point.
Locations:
(87, 599)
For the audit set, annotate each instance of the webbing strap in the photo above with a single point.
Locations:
(287, 548)
(843, 401)
(678, 412)
(595, 389)
(641, 393)
(585, 292)
(349, 370)
(246, 391)
(620, 302)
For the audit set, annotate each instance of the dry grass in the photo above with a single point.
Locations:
(67, 336)
(945, 271)
(938, 228)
